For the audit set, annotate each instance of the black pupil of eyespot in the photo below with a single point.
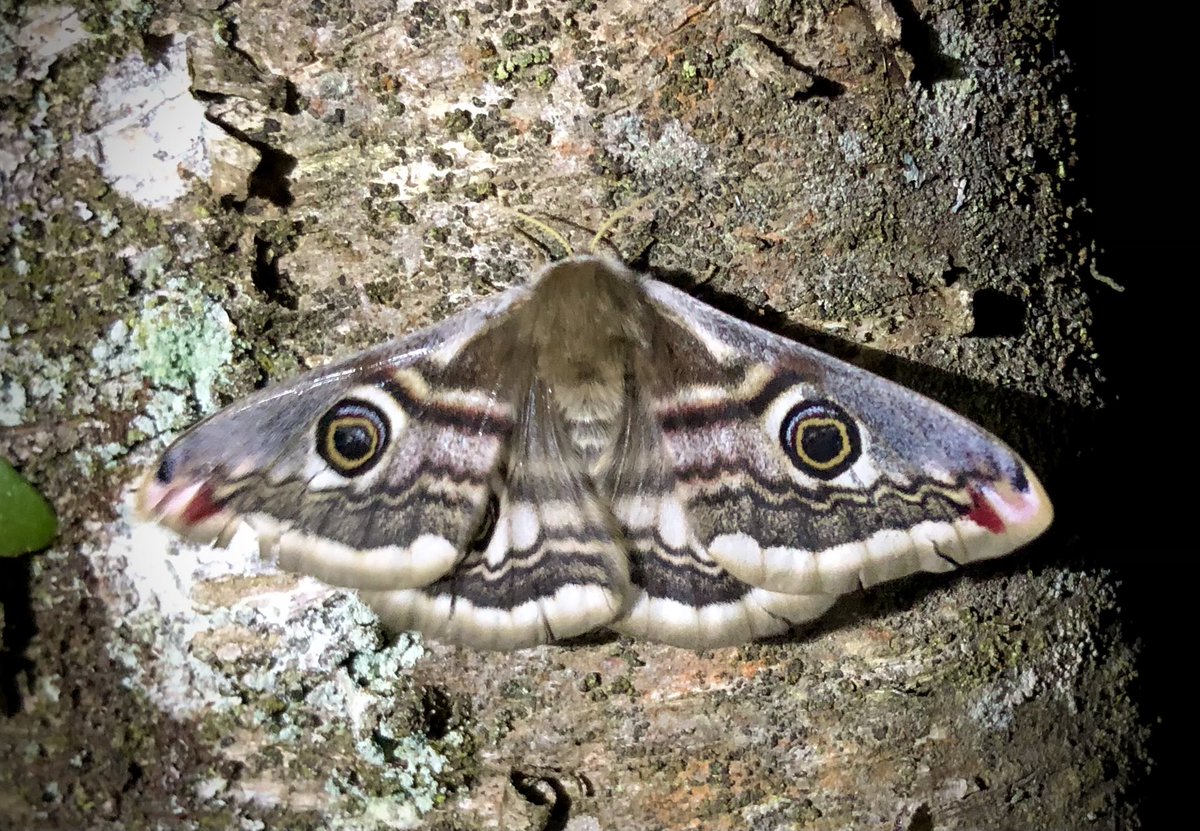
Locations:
(354, 441)
(821, 442)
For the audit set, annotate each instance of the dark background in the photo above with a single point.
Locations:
(1135, 158)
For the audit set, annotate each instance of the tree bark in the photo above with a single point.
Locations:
(206, 196)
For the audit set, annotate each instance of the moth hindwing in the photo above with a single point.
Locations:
(598, 449)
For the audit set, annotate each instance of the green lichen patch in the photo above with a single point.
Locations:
(183, 341)
(514, 66)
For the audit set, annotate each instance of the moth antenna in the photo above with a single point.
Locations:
(545, 229)
(617, 216)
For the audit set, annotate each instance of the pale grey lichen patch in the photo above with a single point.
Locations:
(318, 627)
(149, 579)
(180, 340)
(951, 114)
(151, 128)
(13, 397)
(410, 764)
(380, 813)
(912, 172)
(955, 39)
(293, 666)
(28, 377)
(334, 84)
(407, 764)
(994, 708)
(16, 260)
(673, 153)
(850, 142)
(149, 264)
(48, 31)
(94, 458)
(207, 789)
(301, 665)
(152, 581)
(164, 412)
(12, 401)
(772, 813)
(109, 223)
(1072, 644)
(114, 381)
(378, 670)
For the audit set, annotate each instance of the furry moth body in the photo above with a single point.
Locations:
(598, 449)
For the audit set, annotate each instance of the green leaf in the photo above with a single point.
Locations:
(27, 521)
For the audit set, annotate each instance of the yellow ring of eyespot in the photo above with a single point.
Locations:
(334, 454)
(843, 431)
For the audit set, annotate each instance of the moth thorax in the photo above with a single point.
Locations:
(585, 325)
(592, 408)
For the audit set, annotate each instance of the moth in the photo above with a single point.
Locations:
(598, 449)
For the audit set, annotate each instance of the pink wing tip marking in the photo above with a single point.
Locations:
(1004, 508)
(984, 514)
(182, 507)
(201, 506)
